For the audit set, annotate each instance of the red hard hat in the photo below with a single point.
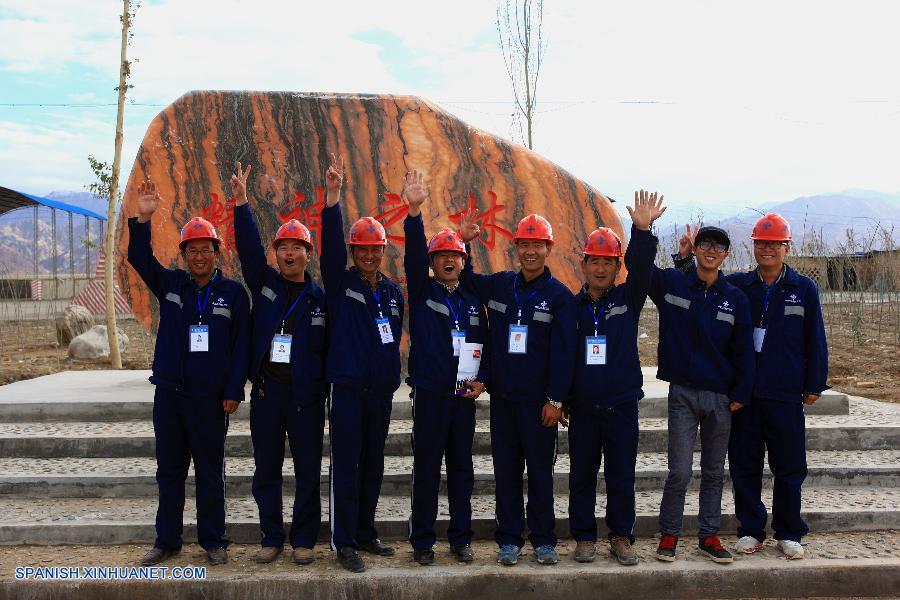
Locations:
(773, 228)
(293, 230)
(603, 241)
(534, 227)
(367, 232)
(198, 228)
(447, 240)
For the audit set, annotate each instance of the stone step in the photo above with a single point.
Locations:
(135, 438)
(843, 564)
(135, 477)
(131, 520)
(127, 395)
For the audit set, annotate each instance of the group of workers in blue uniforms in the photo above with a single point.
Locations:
(741, 353)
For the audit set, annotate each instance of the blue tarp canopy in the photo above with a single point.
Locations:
(11, 200)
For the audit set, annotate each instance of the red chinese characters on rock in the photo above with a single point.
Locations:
(486, 220)
(221, 215)
(311, 215)
(395, 210)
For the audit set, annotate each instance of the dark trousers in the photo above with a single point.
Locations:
(274, 414)
(780, 428)
(443, 428)
(518, 439)
(188, 428)
(607, 435)
(359, 421)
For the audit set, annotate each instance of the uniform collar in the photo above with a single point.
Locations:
(585, 296)
(718, 283)
(379, 278)
(217, 274)
(538, 283)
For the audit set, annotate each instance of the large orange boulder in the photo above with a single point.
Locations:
(190, 149)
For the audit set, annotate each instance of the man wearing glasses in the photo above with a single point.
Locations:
(199, 370)
(791, 370)
(706, 354)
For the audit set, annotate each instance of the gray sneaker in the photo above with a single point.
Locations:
(620, 547)
(585, 552)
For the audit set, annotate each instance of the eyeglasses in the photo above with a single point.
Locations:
(205, 252)
(708, 245)
(768, 244)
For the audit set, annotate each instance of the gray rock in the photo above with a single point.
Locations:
(94, 343)
(74, 321)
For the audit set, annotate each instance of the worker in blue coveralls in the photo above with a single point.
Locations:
(603, 409)
(532, 339)
(365, 310)
(706, 354)
(447, 370)
(199, 370)
(287, 368)
(791, 370)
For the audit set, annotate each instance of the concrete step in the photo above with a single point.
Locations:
(127, 395)
(135, 477)
(135, 438)
(836, 565)
(131, 520)
(858, 565)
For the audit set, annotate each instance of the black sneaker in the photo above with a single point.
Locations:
(423, 556)
(376, 547)
(712, 547)
(666, 549)
(349, 558)
(463, 553)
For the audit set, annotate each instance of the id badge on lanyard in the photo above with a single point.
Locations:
(518, 339)
(759, 336)
(281, 348)
(459, 338)
(384, 330)
(199, 336)
(595, 350)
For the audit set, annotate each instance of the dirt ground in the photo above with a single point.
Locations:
(863, 349)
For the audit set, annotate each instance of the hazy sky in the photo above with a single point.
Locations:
(719, 104)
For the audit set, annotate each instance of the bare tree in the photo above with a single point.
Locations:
(115, 357)
(519, 25)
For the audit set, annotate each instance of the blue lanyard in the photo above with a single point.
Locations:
(597, 315)
(291, 309)
(377, 295)
(519, 306)
(453, 312)
(202, 308)
(769, 290)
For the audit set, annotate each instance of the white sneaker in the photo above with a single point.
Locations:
(791, 549)
(748, 545)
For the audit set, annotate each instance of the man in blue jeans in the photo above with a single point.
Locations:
(706, 355)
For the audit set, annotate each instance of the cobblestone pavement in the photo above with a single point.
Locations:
(834, 546)
(61, 510)
(646, 461)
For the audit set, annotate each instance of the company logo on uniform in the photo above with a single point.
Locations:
(220, 302)
(543, 305)
(317, 312)
(473, 310)
(725, 305)
(393, 302)
(793, 298)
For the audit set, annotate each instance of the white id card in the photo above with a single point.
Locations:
(759, 335)
(459, 338)
(518, 339)
(199, 336)
(469, 362)
(384, 330)
(281, 349)
(595, 350)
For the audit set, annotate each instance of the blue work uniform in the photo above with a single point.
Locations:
(443, 422)
(189, 422)
(364, 373)
(604, 403)
(706, 354)
(520, 384)
(287, 399)
(793, 361)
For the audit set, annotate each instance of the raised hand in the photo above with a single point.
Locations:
(148, 200)
(648, 207)
(239, 184)
(414, 192)
(334, 180)
(468, 228)
(686, 242)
